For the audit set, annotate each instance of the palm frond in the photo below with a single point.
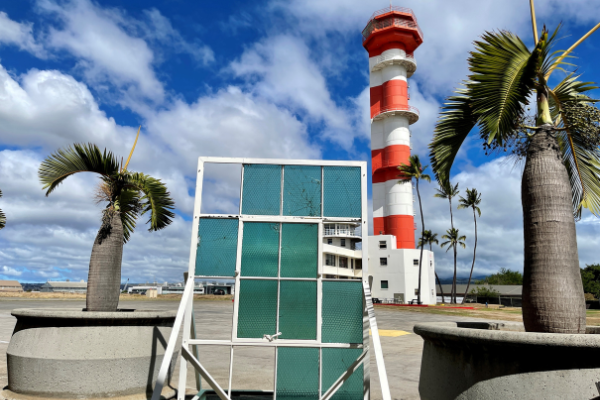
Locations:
(77, 158)
(2, 216)
(156, 199)
(455, 122)
(446, 190)
(504, 72)
(130, 207)
(569, 89)
(413, 169)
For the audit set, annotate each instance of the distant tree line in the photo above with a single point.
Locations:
(590, 276)
(504, 277)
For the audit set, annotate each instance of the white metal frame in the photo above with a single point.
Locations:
(185, 311)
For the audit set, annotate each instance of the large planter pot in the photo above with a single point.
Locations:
(501, 361)
(70, 353)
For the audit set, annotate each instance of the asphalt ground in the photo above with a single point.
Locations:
(254, 367)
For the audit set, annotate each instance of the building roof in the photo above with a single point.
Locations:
(11, 284)
(73, 285)
(504, 290)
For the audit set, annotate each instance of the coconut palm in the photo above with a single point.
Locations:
(430, 238)
(414, 170)
(453, 240)
(2, 216)
(129, 195)
(471, 201)
(562, 160)
(447, 191)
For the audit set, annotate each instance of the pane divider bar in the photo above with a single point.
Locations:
(276, 343)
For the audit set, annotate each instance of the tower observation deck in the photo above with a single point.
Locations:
(391, 37)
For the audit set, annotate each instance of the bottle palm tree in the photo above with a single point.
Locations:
(2, 216)
(414, 170)
(562, 160)
(447, 191)
(128, 195)
(430, 238)
(452, 241)
(471, 201)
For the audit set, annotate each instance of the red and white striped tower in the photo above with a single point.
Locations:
(391, 37)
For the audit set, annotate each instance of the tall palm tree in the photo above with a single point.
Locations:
(2, 216)
(129, 195)
(414, 170)
(447, 191)
(452, 241)
(430, 238)
(562, 160)
(471, 201)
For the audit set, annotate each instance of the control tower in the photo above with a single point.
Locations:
(391, 37)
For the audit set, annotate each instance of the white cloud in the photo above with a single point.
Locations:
(105, 50)
(20, 35)
(8, 271)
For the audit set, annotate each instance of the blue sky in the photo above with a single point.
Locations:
(258, 79)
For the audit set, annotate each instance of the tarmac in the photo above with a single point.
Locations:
(254, 367)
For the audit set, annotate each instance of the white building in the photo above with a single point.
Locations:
(64, 287)
(342, 251)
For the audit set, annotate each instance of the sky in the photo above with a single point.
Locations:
(269, 79)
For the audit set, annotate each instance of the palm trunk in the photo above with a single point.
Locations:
(422, 233)
(438, 280)
(104, 277)
(472, 265)
(453, 292)
(552, 290)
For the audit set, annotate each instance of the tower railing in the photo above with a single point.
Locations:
(386, 10)
(408, 108)
(375, 25)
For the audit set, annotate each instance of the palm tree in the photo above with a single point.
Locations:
(472, 201)
(447, 191)
(452, 241)
(414, 170)
(128, 195)
(562, 160)
(431, 238)
(2, 216)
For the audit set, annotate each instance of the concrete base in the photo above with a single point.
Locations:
(70, 353)
(485, 361)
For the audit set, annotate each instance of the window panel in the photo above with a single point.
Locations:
(260, 249)
(217, 247)
(342, 313)
(297, 373)
(302, 191)
(299, 250)
(257, 312)
(298, 310)
(341, 192)
(261, 193)
(335, 363)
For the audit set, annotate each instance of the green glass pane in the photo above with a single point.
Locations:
(298, 310)
(257, 310)
(297, 373)
(341, 192)
(342, 313)
(261, 194)
(217, 247)
(335, 363)
(299, 248)
(302, 191)
(260, 249)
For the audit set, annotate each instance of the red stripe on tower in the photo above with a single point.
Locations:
(391, 37)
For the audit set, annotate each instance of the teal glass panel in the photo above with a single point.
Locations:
(341, 192)
(257, 312)
(297, 373)
(302, 191)
(335, 363)
(298, 310)
(217, 247)
(261, 194)
(260, 249)
(342, 313)
(299, 250)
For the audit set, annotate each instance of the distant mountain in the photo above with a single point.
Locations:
(461, 279)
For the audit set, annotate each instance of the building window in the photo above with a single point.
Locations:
(330, 260)
(329, 241)
(384, 284)
(383, 261)
(343, 242)
(416, 262)
(358, 264)
(383, 245)
(431, 263)
(343, 262)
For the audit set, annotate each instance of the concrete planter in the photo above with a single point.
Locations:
(70, 353)
(501, 361)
